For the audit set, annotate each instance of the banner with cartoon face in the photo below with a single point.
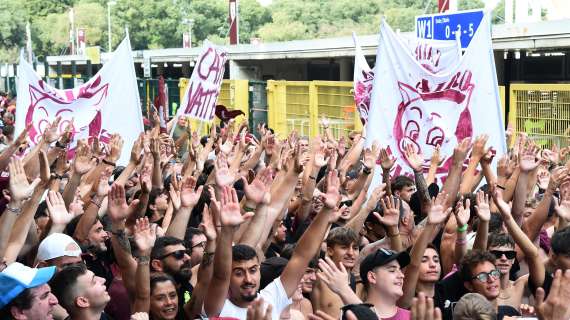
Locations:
(411, 105)
(106, 104)
(434, 55)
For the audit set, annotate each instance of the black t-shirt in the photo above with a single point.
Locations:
(447, 292)
(509, 311)
(184, 291)
(545, 285)
(274, 250)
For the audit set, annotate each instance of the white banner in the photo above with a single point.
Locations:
(200, 98)
(413, 106)
(434, 55)
(108, 103)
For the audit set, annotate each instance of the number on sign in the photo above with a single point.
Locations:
(458, 32)
(471, 30)
(447, 31)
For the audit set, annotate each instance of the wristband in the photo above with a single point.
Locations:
(60, 145)
(461, 241)
(105, 161)
(312, 178)
(144, 260)
(16, 211)
(463, 228)
(95, 203)
(393, 235)
(248, 209)
(366, 170)
(501, 187)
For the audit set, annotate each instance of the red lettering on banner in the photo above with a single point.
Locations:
(205, 71)
(199, 99)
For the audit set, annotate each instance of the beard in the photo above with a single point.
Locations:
(249, 298)
(180, 276)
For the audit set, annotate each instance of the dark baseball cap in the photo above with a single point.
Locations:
(379, 258)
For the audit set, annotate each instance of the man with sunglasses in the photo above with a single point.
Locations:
(502, 246)
(169, 255)
(477, 273)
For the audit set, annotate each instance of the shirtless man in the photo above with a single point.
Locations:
(342, 247)
(502, 246)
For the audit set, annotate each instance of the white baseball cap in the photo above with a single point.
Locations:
(57, 245)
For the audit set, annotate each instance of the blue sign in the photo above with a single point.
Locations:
(444, 26)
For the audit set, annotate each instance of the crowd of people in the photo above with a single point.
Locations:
(244, 224)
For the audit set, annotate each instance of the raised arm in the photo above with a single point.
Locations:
(484, 213)
(134, 160)
(436, 216)
(451, 185)
(144, 236)
(82, 163)
(391, 220)
(532, 257)
(90, 215)
(415, 161)
(469, 176)
(9, 151)
(258, 198)
(230, 219)
(462, 215)
(186, 199)
(386, 162)
(529, 161)
(356, 223)
(434, 163)
(336, 278)
(311, 240)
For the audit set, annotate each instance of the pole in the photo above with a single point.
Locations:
(109, 27)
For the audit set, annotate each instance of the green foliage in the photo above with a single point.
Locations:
(159, 23)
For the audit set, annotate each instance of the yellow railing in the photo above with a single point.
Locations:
(234, 95)
(542, 111)
(300, 104)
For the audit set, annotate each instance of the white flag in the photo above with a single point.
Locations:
(108, 103)
(413, 106)
(434, 55)
(199, 101)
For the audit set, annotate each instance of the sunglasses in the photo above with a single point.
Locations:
(347, 203)
(199, 244)
(511, 254)
(484, 276)
(178, 254)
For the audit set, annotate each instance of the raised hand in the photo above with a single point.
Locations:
(144, 235)
(334, 277)
(207, 225)
(415, 159)
(224, 177)
(103, 186)
(436, 159)
(504, 208)
(557, 177)
(139, 316)
(258, 190)
(377, 194)
(556, 306)
(437, 214)
(115, 148)
(45, 174)
(479, 146)
(136, 150)
(257, 310)
(552, 156)
(20, 189)
(391, 210)
(189, 195)
(58, 214)
(319, 159)
(423, 308)
(482, 207)
(370, 156)
(462, 212)
(529, 159)
(460, 151)
(230, 213)
(563, 208)
(386, 162)
(332, 197)
(83, 162)
(117, 207)
(155, 148)
(51, 133)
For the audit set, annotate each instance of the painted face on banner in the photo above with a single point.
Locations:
(46, 105)
(433, 115)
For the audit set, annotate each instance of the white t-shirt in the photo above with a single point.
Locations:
(273, 294)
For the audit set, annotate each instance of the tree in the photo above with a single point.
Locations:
(12, 26)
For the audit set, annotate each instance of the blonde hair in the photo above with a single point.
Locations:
(474, 306)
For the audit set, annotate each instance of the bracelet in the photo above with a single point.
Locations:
(312, 178)
(500, 187)
(118, 233)
(461, 241)
(105, 161)
(463, 228)
(95, 203)
(144, 260)
(248, 209)
(366, 170)
(56, 176)
(393, 235)
(16, 211)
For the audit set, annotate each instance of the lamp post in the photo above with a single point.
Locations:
(190, 23)
(109, 4)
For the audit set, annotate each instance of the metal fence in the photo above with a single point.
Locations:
(542, 111)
